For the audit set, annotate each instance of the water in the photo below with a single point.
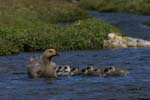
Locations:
(130, 24)
(15, 84)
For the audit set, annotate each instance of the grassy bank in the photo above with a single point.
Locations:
(83, 34)
(131, 6)
(31, 26)
(48, 11)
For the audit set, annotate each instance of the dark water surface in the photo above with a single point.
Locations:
(15, 85)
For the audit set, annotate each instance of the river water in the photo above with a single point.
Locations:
(15, 84)
(130, 24)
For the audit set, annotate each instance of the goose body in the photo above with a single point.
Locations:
(34, 68)
(42, 66)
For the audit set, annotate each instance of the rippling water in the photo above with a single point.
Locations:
(15, 85)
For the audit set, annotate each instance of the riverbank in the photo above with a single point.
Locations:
(130, 24)
(81, 35)
(31, 26)
(130, 6)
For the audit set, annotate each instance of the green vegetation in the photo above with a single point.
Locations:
(30, 25)
(48, 11)
(83, 34)
(147, 22)
(131, 6)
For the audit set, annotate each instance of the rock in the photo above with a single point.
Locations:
(116, 41)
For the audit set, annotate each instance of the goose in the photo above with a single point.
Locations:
(42, 66)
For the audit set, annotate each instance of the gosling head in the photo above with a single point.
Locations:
(75, 71)
(109, 69)
(49, 53)
(67, 68)
(90, 67)
(97, 72)
(112, 68)
(59, 69)
(84, 72)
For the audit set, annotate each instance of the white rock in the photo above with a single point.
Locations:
(116, 41)
(111, 35)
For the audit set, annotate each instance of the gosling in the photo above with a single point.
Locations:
(75, 71)
(113, 71)
(63, 70)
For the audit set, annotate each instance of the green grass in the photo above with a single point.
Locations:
(30, 25)
(83, 34)
(48, 11)
(130, 6)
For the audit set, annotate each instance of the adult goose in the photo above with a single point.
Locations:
(42, 66)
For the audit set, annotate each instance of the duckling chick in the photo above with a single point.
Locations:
(42, 66)
(63, 70)
(90, 69)
(84, 72)
(59, 70)
(97, 72)
(67, 70)
(113, 71)
(75, 71)
(112, 68)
